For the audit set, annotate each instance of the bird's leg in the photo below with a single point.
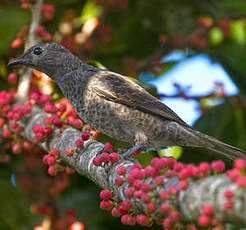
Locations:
(131, 150)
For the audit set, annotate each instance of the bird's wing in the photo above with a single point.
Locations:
(117, 88)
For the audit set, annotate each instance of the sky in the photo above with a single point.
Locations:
(198, 72)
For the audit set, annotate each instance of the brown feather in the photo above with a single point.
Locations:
(120, 89)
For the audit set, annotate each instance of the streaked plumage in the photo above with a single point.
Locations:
(117, 105)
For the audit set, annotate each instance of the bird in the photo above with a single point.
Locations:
(117, 105)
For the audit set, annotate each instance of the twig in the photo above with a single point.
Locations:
(24, 82)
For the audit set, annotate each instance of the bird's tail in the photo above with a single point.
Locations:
(220, 147)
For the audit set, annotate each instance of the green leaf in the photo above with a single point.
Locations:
(12, 19)
(14, 208)
(90, 10)
(173, 151)
(216, 36)
(238, 32)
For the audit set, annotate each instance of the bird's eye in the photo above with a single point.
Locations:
(37, 51)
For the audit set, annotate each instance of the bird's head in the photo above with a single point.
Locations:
(50, 58)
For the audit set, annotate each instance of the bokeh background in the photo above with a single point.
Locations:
(189, 53)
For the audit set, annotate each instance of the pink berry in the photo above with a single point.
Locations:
(57, 122)
(54, 152)
(2, 122)
(151, 207)
(106, 205)
(39, 137)
(104, 157)
(85, 136)
(136, 173)
(126, 204)
(115, 212)
(142, 220)
(121, 170)
(130, 179)
(51, 160)
(167, 223)
(13, 124)
(12, 78)
(146, 187)
(157, 163)
(164, 208)
(119, 181)
(228, 204)
(27, 145)
(196, 172)
(131, 220)
(17, 43)
(137, 184)
(204, 220)
(16, 148)
(47, 130)
(145, 197)
(164, 195)
(52, 170)
(69, 170)
(129, 192)
(124, 219)
(241, 182)
(150, 172)
(69, 151)
(175, 216)
(215, 222)
(62, 107)
(240, 163)
(45, 158)
(122, 210)
(228, 193)
(44, 98)
(47, 121)
(159, 180)
(183, 184)
(96, 161)
(36, 128)
(108, 146)
(77, 123)
(137, 194)
(79, 143)
(208, 210)
(184, 173)
(218, 166)
(105, 194)
(178, 167)
(114, 157)
(27, 108)
(169, 173)
(205, 168)
(136, 166)
(233, 174)
(6, 133)
(173, 190)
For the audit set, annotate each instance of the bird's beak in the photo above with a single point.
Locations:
(18, 61)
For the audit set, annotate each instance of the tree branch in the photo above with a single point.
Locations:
(24, 83)
(208, 190)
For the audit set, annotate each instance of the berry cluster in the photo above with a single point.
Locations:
(146, 185)
(107, 158)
